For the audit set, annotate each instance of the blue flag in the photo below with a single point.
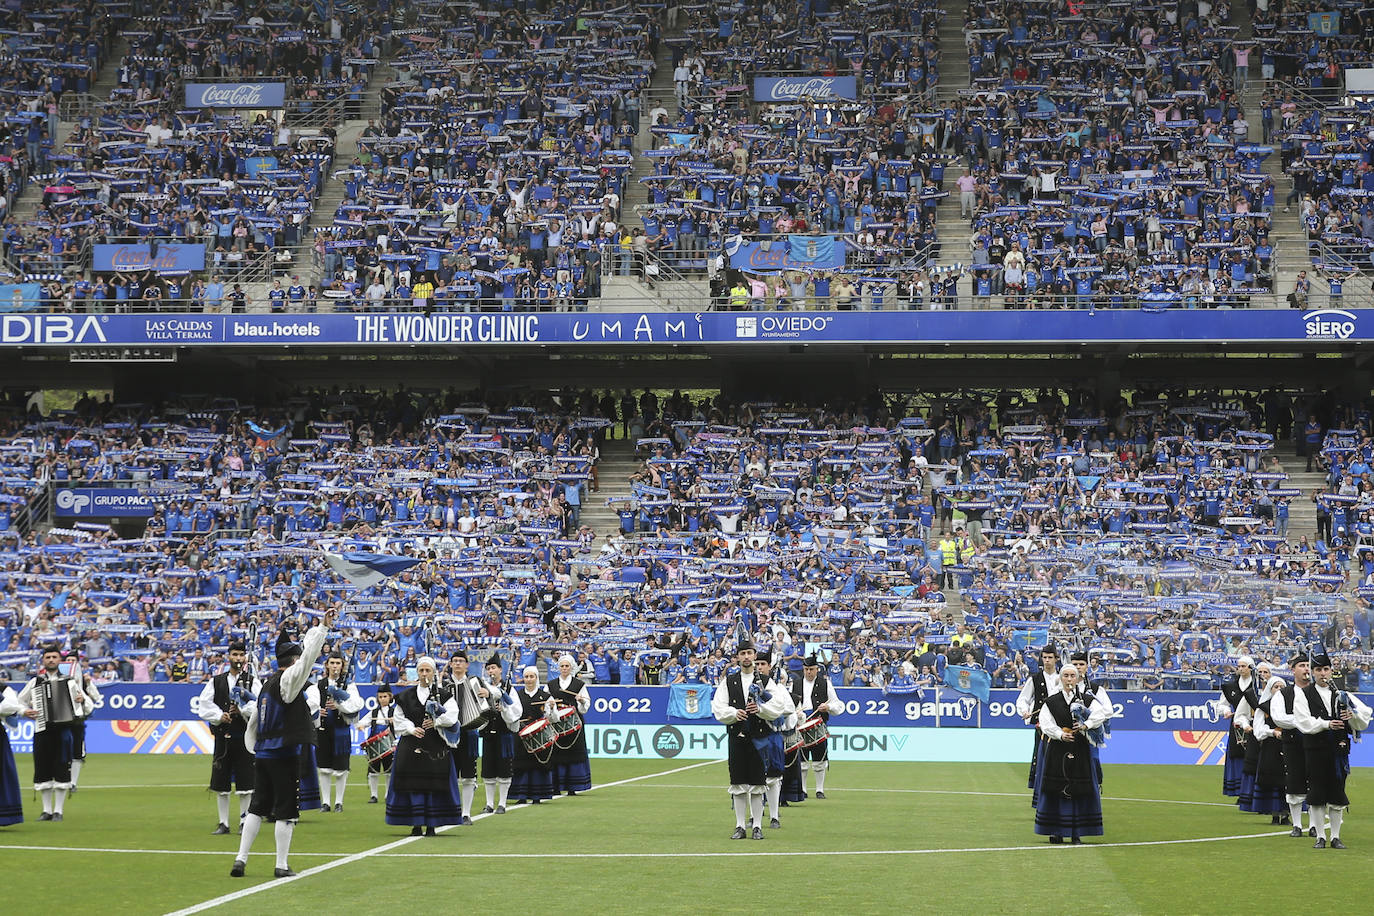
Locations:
(973, 681)
(690, 701)
(368, 569)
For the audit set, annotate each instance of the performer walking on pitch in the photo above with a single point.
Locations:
(221, 704)
(54, 701)
(747, 709)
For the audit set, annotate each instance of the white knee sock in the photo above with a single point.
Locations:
(340, 783)
(326, 778)
(222, 803)
(1336, 815)
(819, 769)
(76, 771)
(1317, 814)
(756, 808)
(47, 800)
(741, 809)
(283, 832)
(467, 788)
(372, 780)
(505, 792)
(245, 799)
(251, 825)
(774, 794)
(59, 798)
(489, 790)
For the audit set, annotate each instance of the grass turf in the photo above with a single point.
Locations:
(890, 838)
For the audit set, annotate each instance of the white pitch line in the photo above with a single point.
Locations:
(387, 847)
(163, 852)
(812, 852)
(846, 789)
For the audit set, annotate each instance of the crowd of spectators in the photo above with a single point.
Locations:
(889, 538)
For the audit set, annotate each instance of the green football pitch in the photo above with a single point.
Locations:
(653, 836)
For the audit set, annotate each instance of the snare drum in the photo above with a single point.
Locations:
(379, 746)
(538, 735)
(792, 745)
(568, 721)
(813, 731)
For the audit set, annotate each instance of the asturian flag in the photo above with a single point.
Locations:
(368, 569)
(969, 680)
(690, 701)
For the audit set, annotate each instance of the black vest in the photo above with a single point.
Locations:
(569, 696)
(1316, 706)
(754, 726)
(1234, 693)
(330, 722)
(280, 723)
(820, 695)
(1290, 735)
(236, 725)
(1040, 692)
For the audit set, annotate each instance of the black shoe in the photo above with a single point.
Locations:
(488, 809)
(237, 870)
(1312, 831)
(45, 816)
(325, 809)
(738, 834)
(535, 801)
(758, 833)
(1296, 831)
(501, 810)
(820, 795)
(1056, 840)
(784, 804)
(430, 831)
(372, 800)
(1076, 841)
(1285, 818)
(1336, 843)
(283, 873)
(417, 831)
(338, 808)
(57, 817)
(775, 824)
(1274, 820)
(467, 821)
(220, 829)
(1320, 844)
(571, 794)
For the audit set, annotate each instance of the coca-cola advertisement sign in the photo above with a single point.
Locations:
(800, 88)
(235, 95)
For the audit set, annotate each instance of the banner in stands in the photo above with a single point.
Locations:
(235, 95)
(141, 257)
(20, 297)
(85, 502)
(793, 88)
(658, 328)
(798, 252)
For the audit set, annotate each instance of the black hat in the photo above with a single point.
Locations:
(459, 653)
(1079, 656)
(494, 660)
(1321, 660)
(237, 646)
(384, 688)
(1298, 657)
(287, 647)
(1049, 649)
(744, 642)
(810, 662)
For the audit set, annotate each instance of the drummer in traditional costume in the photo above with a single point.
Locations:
(54, 701)
(814, 696)
(468, 694)
(533, 778)
(1262, 780)
(1329, 719)
(11, 802)
(784, 730)
(423, 789)
(1070, 804)
(498, 739)
(380, 743)
(1239, 695)
(221, 704)
(1038, 688)
(339, 703)
(747, 706)
(1294, 757)
(279, 725)
(572, 771)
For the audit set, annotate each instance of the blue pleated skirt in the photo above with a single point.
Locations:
(11, 802)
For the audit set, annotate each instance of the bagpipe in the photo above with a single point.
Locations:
(451, 734)
(1096, 735)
